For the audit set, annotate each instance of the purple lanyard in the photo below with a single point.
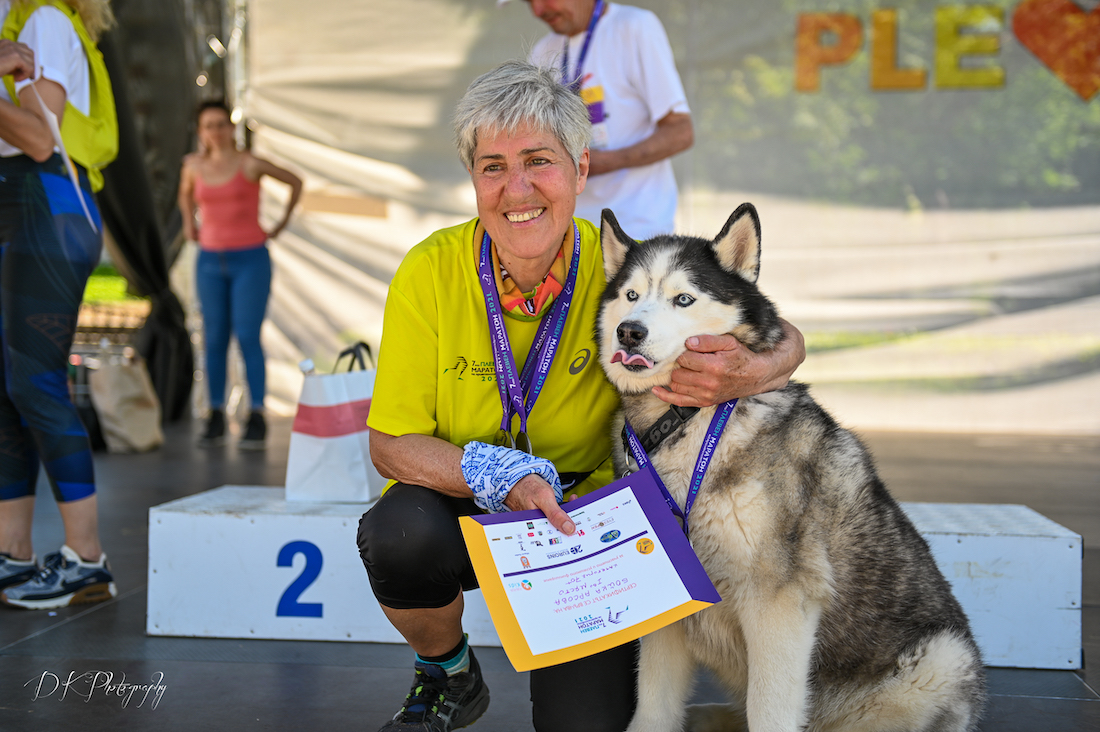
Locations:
(706, 452)
(513, 386)
(575, 82)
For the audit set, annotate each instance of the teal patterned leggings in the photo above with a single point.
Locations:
(47, 251)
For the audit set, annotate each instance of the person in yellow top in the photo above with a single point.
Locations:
(67, 34)
(443, 382)
(464, 420)
(50, 241)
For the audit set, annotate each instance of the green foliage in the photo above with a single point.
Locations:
(107, 285)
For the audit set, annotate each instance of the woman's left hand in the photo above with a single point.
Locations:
(255, 168)
(716, 369)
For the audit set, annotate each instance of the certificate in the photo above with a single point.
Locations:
(627, 571)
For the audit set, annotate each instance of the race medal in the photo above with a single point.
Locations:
(504, 439)
(523, 442)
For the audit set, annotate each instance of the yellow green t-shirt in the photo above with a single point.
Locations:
(436, 374)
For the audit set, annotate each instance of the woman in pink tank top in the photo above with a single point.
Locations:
(221, 184)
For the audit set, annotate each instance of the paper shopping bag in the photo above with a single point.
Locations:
(329, 459)
(126, 406)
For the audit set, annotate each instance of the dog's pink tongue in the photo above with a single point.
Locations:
(627, 359)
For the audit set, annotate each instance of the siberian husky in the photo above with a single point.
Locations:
(834, 616)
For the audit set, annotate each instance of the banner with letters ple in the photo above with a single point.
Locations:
(627, 571)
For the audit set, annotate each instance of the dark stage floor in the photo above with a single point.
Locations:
(211, 684)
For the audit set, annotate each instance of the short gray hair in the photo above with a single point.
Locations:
(517, 93)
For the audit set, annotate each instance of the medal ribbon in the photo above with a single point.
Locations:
(706, 452)
(511, 385)
(575, 82)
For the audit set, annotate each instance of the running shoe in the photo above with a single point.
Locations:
(15, 572)
(441, 703)
(64, 579)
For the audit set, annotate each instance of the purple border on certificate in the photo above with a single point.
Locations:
(664, 523)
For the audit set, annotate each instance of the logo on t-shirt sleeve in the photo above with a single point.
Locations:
(580, 360)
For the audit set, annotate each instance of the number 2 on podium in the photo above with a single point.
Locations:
(288, 603)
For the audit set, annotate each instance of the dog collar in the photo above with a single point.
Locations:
(662, 428)
(706, 452)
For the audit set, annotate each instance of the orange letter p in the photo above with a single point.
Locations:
(811, 53)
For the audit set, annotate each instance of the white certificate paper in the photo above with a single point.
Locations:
(627, 571)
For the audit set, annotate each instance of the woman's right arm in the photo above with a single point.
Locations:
(420, 460)
(437, 464)
(186, 198)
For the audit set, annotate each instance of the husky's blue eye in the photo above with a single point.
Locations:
(631, 295)
(683, 300)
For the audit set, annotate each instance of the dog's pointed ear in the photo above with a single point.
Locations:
(614, 244)
(738, 246)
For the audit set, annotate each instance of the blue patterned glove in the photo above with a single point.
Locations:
(492, 471)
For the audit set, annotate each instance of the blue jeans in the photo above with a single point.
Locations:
(233, 289)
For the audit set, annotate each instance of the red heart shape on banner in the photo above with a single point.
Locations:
(1065, 38)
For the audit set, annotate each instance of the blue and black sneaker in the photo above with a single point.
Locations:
(16, 572)
(65, 579)
(441, 703)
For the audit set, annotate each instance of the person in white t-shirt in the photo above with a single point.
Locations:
(619, 59)
(50, 242)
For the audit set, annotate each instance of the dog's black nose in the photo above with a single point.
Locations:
(631, 334)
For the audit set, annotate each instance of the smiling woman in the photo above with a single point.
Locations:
(528, 166)
(526, 186)
(517, 287)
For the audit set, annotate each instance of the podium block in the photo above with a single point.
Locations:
(1017, 575)
(242, 562)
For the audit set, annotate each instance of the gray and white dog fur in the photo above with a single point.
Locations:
(834, 616)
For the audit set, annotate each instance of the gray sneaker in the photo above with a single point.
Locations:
(441, 703)
(15, 572)
(65, 579)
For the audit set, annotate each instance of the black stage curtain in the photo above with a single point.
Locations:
(128, 209)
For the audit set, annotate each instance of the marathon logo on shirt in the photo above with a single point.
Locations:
(486, 371)
(472, 368)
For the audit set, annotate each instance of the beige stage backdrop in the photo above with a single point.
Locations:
(928, 177)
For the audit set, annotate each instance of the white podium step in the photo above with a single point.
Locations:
(242, 562)
(1016, 573)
